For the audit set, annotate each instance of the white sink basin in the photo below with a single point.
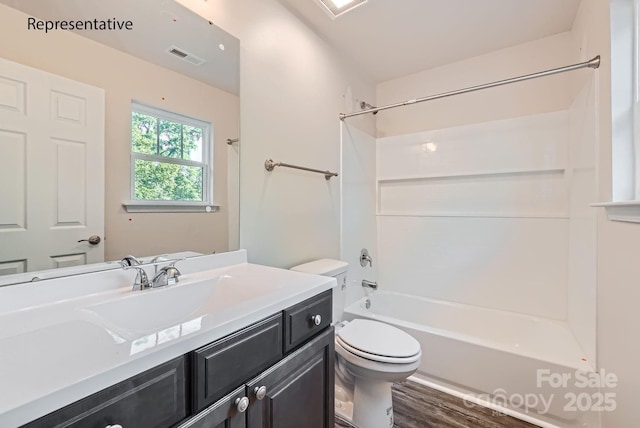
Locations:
(151, 310)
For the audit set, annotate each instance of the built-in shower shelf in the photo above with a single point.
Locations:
(472, 174)
(508, 193)
(536, 215)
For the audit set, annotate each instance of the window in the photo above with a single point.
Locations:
(625, 112)
(171, 160)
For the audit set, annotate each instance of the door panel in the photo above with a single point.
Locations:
(12, 267)
(298, 400)
(13, 210)
(51, 170)
(71, 180)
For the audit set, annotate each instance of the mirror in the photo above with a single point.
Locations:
(156, 53)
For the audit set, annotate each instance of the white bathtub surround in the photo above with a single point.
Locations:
(478, 214)
(487, 229)
(92, 333)
(358, 207)
(490, 355)
(521, 335)
(582, 179)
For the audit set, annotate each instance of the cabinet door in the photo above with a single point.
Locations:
(223, 365)
(153, 399)
(299, 389)
(221, 414)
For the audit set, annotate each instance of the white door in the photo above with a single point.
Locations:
(51, 170)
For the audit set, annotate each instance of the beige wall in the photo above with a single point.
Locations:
(618, 243)
(526, 98)
(124, 78)
(293, 86)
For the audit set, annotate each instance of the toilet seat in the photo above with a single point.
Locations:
(371, 369)
(379, 342)
(374, 357)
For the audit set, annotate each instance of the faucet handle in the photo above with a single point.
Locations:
(172, 267)
(365, 258)
(167, 275)
(142, 280)
(157, 260)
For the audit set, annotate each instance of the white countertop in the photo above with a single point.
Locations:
(59, 341)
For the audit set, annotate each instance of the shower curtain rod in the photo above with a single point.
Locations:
(593, 63)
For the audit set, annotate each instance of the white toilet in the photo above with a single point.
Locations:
(370, 356)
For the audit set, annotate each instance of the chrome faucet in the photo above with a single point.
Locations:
(130, 261)
(142, 280)
(157, 259)
(370, 284)
(365, 258)
(167, 275)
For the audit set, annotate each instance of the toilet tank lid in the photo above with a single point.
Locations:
(327, 267)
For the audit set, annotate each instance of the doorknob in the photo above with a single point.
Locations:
(93, 240)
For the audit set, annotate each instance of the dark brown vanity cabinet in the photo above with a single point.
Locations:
(298, 391)
(276, 373)
(153, 399)
(291, 392)
(230, 361)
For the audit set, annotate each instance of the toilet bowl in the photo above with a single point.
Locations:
(370, 356)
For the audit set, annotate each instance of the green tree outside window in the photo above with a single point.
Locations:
(167, 159)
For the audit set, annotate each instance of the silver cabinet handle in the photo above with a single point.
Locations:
(260, 392)
(113, 426)
(316, 319)
(242, 404)
(95, 240)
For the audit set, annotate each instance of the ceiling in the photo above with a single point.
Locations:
(157, 26)
(392, 38)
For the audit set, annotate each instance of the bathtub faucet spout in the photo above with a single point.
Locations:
(370, 284)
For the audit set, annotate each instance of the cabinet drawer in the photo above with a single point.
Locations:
(299, 320)
(153, 399)
(228, 362)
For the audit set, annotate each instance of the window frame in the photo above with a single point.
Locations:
(624, 33)
(636, 94)
(147, 205)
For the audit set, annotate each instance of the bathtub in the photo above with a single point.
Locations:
(526, 366)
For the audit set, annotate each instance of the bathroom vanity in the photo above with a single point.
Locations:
(253, 348)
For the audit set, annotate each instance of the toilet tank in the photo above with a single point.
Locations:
(335, 268)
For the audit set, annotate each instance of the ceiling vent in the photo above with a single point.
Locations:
(185, 56)
(335, 8)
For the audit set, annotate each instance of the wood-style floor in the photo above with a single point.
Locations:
(417, 406)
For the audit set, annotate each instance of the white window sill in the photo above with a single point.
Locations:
(622, 210)
(169, 207)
